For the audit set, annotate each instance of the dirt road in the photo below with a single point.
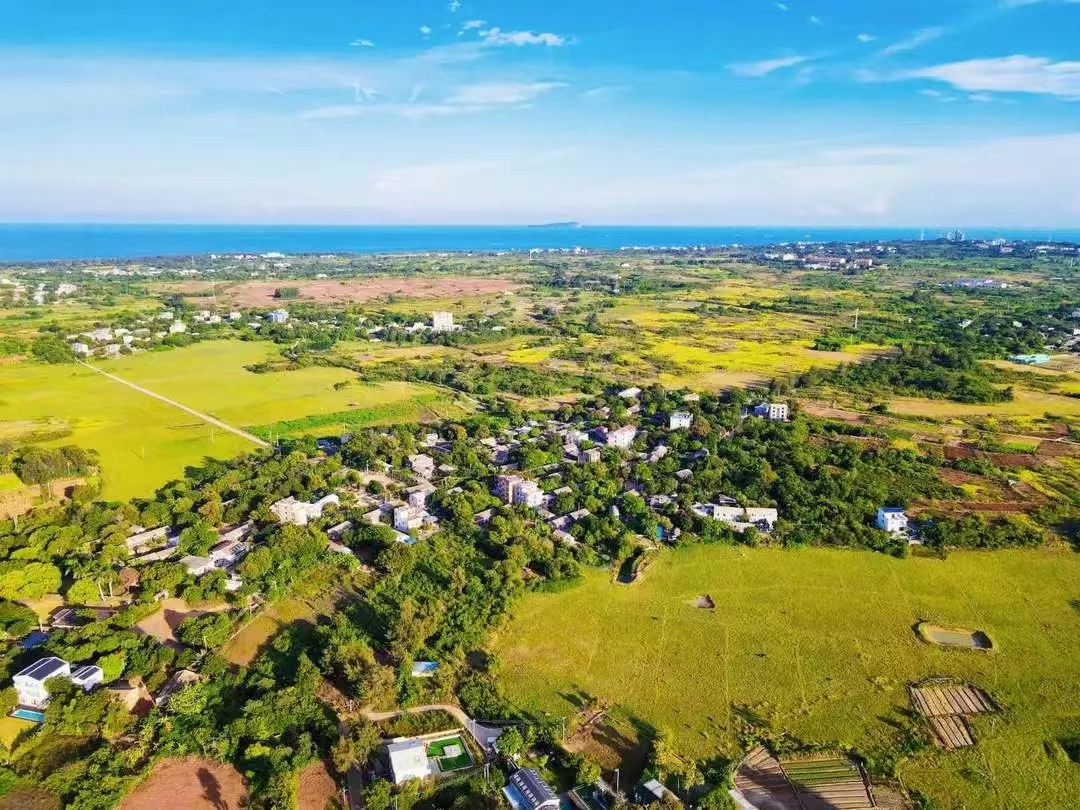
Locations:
(210, 420)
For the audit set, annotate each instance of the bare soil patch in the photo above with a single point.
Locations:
(318, 790)
(839, 414)
(261, 293)
(29, 799)
(189, 784)
(162, 625)
(705, 602)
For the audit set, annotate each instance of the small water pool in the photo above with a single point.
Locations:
(29, 714)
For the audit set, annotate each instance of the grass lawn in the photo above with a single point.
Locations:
(142, 442)
(437, 750)
(821, 643)
(11, 728)
(9, 482)
(253, 638)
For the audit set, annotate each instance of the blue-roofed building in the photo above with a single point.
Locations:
(33, 640)
(527, 791)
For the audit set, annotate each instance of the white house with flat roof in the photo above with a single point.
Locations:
(442, 321)
(892, 519)
(290, 510)
(773, 411)
(408, 760)
(680, 420)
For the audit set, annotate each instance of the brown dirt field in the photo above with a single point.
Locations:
(826, 412)
(317, 790)
(1054, 449)
(261, 293)
(162, 625)
(189, 784)
(29, 799)
(613, 744)
(954, 452)
(20, 501)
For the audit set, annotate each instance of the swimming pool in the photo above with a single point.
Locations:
(29, 714)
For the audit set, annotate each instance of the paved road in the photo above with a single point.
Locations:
(197, 414)
(485, 736)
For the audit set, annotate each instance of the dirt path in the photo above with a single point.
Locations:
(210, 420)
(484, 735)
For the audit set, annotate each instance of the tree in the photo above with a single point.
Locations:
(51, 349)
(83, 592)
(511, 743)
(21, 581)
(378, 795)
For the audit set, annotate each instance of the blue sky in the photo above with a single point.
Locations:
(910, 112)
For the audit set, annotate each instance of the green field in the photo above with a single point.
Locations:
(143, 442)
(821, 643)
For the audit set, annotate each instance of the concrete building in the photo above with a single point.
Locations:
(30, 682)
(623, 437)
(422, 464)
(278, 316)
(442, 321)
(290, 510)
(408, 761)
(409, 518)
(680, 420)
(773, 411)
(892, 519)
(197, 566)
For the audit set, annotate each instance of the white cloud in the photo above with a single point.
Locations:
(916, 40)
(815, 20)
(362, 43)
(1019, 3)
(494, 93)
(766, 66)
(496, 36)
(454, 5)
(471, 25)
(1009, 74)
(981, 97)
(781, 6)
(866, 37)
(425, 29)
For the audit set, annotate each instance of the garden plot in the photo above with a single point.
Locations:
(945, 704)
(450, 754)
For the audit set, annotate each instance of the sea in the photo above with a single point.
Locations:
(74, 242)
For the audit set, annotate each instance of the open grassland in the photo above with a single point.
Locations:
(253, 637)
(11, 728)
(142, 443)
(71, 315)
(821, 644)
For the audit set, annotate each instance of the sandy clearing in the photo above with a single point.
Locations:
(261, 293)
(162, 625)
(317, 788)
(189, 784)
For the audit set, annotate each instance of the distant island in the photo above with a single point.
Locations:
(558, 225)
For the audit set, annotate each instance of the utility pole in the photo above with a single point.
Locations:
(856, 320)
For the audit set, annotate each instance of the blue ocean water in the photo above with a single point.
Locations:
(45, 242)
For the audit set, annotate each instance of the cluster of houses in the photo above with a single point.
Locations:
(740, 518)
(33, 695)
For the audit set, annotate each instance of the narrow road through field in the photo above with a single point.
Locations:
(210, 420)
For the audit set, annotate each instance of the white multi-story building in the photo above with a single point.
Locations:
(892, 519)
(442, 321)
(409, 518)
(680, 420)
(623, 437)
(773, 411)
(30, 682)
(528, 493)
(176, 327)
(278, 316)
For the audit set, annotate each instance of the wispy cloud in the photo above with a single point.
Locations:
(766, 66)
(454, 5)
(362, 43)
(425, 29)
(1009, 74)
(471, 25)
(496, 36)
(781, 6)
(493, 93)
(1019, 3)
(866, 37)
(916, 40)
(815, 20)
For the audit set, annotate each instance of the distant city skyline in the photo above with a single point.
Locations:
(756, 112)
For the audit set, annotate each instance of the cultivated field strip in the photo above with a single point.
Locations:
(950, 699)
(816, 782)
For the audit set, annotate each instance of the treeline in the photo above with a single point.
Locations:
(482, 379)
(934, 371)
(40, 465)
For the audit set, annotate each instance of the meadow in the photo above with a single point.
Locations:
(142, 443)
(820, 643)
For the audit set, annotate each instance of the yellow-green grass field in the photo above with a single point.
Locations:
(11, 728)
(821, 642)
(257, 633)
(9, 482)
(142, 442)
(1026, 406)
